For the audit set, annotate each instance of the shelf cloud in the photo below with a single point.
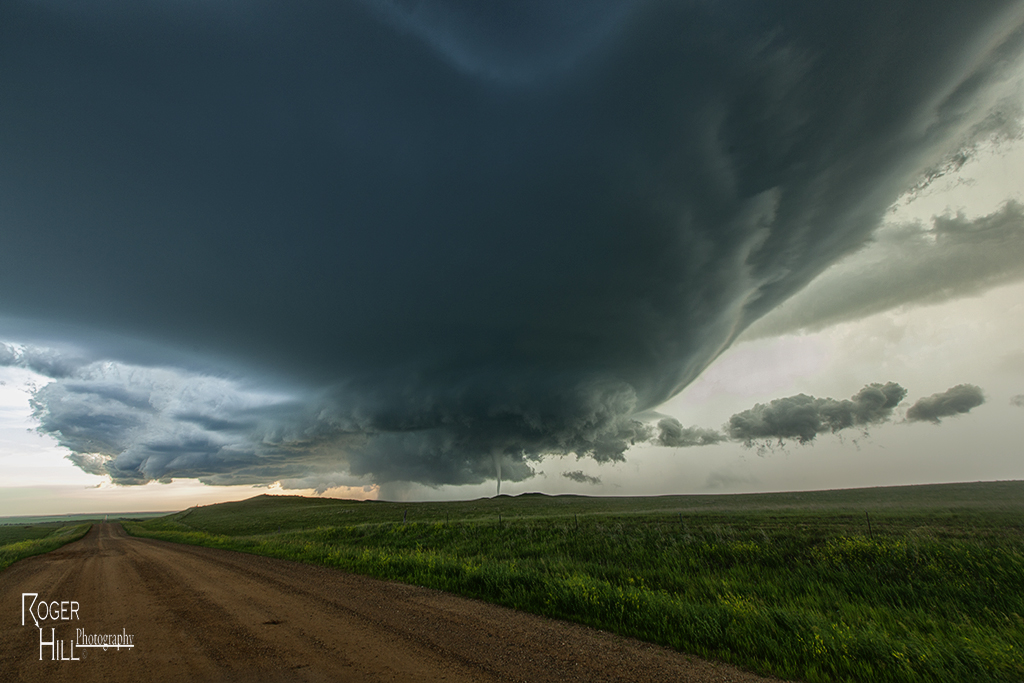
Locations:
(420, 242)
(137, 424)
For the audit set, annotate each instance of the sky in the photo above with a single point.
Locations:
(438, 250)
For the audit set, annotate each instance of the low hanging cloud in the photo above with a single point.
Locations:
(801, 418)
(137, 424)
(579, 477)
(389, 242)
(672, 434)
(954, 401)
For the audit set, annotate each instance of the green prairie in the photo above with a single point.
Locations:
(921, 583)
(18, 541)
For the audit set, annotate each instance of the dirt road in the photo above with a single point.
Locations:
(198, 614)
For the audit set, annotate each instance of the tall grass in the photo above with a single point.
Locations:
(37, 540)
(799, 595)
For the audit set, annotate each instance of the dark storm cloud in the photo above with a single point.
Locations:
(914, 264)
(460, 237)
(954, 401)
(802, 417)
(579, 477)
(671, 433)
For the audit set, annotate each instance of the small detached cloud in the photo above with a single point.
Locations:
(581, 478)
(955, 401)
(1018, 401)
(802, 417)
(671, 433)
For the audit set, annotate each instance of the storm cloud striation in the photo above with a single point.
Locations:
(907, 264)
(426, 243)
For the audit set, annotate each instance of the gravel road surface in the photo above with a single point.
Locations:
(199, 614)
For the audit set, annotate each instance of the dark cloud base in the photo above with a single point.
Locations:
(453, 240)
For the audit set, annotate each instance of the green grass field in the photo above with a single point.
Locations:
(796, 584)
(18, 541)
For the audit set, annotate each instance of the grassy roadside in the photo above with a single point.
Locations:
(933, 592)
(19, 542)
